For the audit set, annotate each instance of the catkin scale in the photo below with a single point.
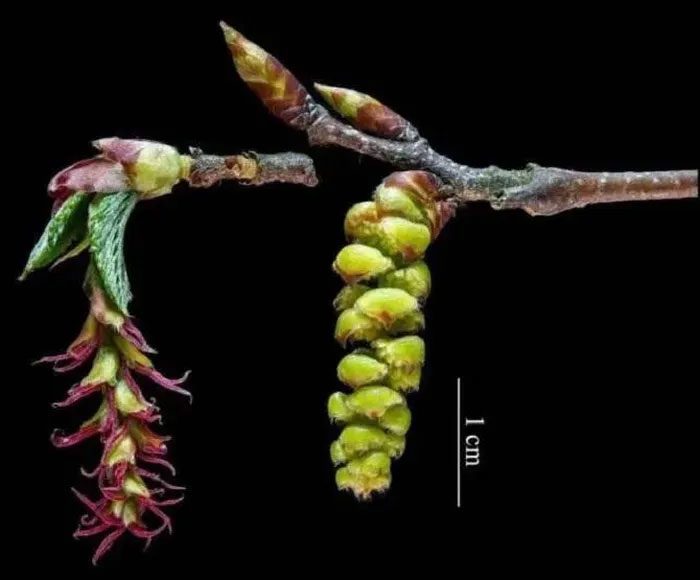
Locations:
(379, 313)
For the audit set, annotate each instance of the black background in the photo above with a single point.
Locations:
(575, 336)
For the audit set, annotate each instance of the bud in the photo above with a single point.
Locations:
(353, 326)
(275, 86)
(153, 168)
(348, 295)
(89, 336)
(365, 475)
(97, 175)
(404, 379)
(146, 440)
(361, 220)
(392, 201)
(413, 322)
(360, 439)
(104, 367)
(357, 262)
(367, 113)
(396, 419)
(406, 352)
(372, 401)
(132, 355)
(414, 279)
(386, 305)
(128, 402)
(422, 186)
(134, 485)
(372, 465)
(403, 238)
(356, 370)
(101, 307)
(337, 453)
(338, 409)
(123, 449)
(125, 510)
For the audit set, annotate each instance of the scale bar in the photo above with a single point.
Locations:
(459, 442)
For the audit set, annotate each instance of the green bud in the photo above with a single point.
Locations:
(372, 401)
(414, 279)
(338, 453)
(361, 486)
(348, 295)
(386, 305)
(357, 440)
(357, 370)
(404, 379)
(156, 170)
(361, 221)
(338, 409)
(127, 402)
(357, 262)
(104, 367)
(396, 419)
(403, 238)
(124, 449)
(134, 485)
(365, 475)
(127, 511)
(343, 479)
(396, 202)
(407, 352)
(413, 322)
(353, 326)
(395, 445)
(370, 466)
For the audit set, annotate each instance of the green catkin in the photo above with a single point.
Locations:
(387, 281)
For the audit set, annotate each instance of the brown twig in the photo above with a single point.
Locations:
(537, 190)
(251, 168)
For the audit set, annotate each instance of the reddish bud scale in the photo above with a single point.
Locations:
(425, 189)
(367, 114)
(380, 120)
(122, 425)
(423, 186)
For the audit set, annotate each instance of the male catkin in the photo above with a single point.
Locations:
(387, 281)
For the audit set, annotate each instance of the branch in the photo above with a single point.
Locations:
(381, 133)
(251, 169)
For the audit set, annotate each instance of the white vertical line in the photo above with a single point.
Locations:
(459, 442)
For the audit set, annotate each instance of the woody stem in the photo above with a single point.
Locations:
(252, 168)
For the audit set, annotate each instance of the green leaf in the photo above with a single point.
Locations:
(66, 225)
(107, 223)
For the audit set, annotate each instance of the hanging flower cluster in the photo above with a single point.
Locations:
(93, 200)
(122, 423)
(380, 309)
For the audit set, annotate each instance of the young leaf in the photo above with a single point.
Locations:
(66, 225)
(107, 222)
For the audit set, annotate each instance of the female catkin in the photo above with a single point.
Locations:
(387, 281)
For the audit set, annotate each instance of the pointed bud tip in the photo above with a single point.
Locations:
(230, 34)
(325, 90)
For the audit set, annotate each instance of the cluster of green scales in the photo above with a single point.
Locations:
(387, 281)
